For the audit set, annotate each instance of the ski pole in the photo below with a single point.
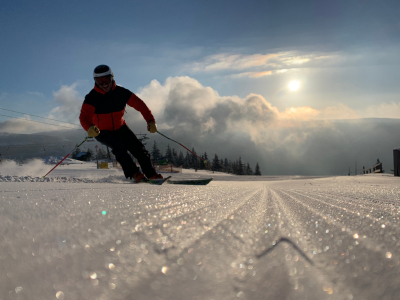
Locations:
(205, 161)
(65, 157)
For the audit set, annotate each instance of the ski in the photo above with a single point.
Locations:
(191, 181)
(157, 181)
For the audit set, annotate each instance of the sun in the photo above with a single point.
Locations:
(294, 85)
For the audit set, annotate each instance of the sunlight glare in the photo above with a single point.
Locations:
(294, 85)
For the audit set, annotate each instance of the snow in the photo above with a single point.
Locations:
(88, 233)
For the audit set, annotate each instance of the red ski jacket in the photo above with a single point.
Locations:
(106, 110)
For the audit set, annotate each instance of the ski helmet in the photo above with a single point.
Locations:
(103, 70)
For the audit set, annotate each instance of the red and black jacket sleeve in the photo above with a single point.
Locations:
(138, 104)
(86, 116)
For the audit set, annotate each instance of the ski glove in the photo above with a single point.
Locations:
(93, 131)
(152, 127)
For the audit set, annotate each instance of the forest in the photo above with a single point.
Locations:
(186, 160)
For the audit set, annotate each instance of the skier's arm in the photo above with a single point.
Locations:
(138, 104)
(86, 116)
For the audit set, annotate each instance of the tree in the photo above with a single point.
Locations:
(216, 164)
(155, 152)
(102, 153)
(76, 152)
(257, 172)
(89, 154)
(226, 165)
(202, 165)
(186, 163)
(229, 168)
(249, 171)
(206, 158)
(194, 160)
(174, 156)
(168, 154)
(234, 167)
(181, 159)
(240, 170)
(222, 166)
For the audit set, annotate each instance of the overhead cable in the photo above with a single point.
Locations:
(18, 112)
(40, 122)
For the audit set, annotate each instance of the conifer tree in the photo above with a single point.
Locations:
(229, 167)
(226, 165)
(168, 154)
(240, 170)
(89, 154)
(249, 171)
(202, 165)
(76, 152)
(174, 158)
(181, 159)
(257, 172)
(234, 168)
(216, 164)
(155, 152)
(206, 156)
(102, 153)
(222, 166)
(194, 160)
(186, 163)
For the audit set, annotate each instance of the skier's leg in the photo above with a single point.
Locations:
(136, 148)
(119, 149)
(126, 162)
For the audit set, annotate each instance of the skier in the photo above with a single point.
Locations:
(102, 117)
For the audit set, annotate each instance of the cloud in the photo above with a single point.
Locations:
(299, 113)
(337, 112)
(260, 74)
(193, 111)
(22, 125)
(184, 102)
(69, 103)
(306, 113)
(234, 61)
(272, 63)
(297, 140)
(189, 106)
(383, 110)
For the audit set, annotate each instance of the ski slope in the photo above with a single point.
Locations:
(85, 233)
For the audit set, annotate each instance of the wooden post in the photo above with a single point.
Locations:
(396, 160)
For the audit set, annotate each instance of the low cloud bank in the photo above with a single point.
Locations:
(298, 140)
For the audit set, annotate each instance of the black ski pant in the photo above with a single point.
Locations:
(123, 140)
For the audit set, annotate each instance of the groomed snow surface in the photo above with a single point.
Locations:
(84, 233)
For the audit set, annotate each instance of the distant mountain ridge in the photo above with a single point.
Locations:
(52, 143)
(325, 150)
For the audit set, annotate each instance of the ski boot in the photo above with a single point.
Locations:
(138, 177)
(156, 176)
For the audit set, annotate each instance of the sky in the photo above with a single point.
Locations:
(216, 69)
